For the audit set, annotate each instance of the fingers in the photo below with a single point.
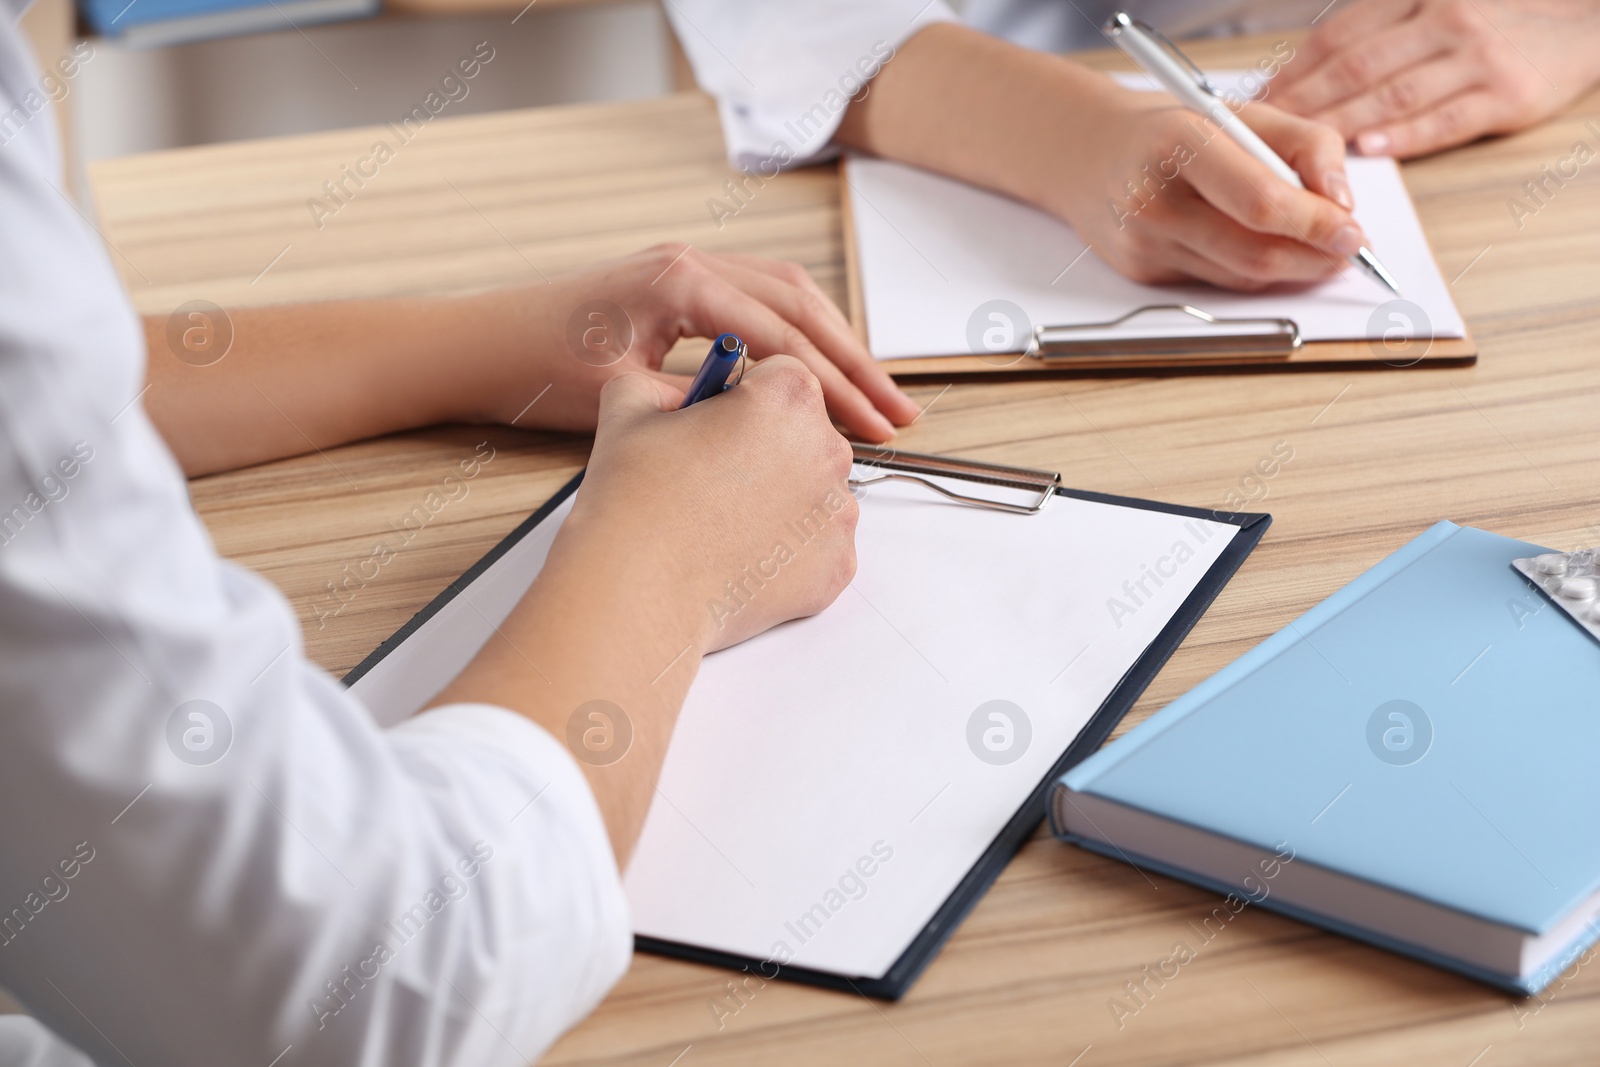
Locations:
(1189, 265)
(1350, 25)
(628, 396)
(1314, 150)
(1186, 239)
(1463, 117)
(795, 387)
(715, 305)
(789, 290)
(794, 274)
(1433, 74)
(790, 378)
(1244, 189)
(1358, 67)
(1407, 94)
(678, 383)
(768, 333)
(1224, 253)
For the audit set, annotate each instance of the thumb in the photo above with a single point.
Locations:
(676, 384)
(630, 396)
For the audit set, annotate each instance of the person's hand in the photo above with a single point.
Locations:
(1163, 195)
(1406, 79)
(624, 315)
(738, 508)
(694, 529)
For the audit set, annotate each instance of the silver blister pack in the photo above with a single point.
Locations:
(1572, 580)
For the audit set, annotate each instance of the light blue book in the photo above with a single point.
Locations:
(158, 23)
(1414, 762)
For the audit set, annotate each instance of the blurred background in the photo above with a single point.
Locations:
(130, 95)
(365, 72)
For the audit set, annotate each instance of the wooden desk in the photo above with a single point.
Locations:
(1509, 445)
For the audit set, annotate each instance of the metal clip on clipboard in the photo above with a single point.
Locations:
(1237, 338)
(911, 466)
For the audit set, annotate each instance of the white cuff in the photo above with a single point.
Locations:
(553, 801)
(783, 74)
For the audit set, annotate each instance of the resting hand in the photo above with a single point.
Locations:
(1163, 195)
(1406, 79)
(624, 315)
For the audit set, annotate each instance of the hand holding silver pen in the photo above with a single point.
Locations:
(1165, 62)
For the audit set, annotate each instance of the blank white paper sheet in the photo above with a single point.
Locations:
(932, 251)
(826, 790)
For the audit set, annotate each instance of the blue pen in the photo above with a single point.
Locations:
(727, 352)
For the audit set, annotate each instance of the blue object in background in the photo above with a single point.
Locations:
(157, 23)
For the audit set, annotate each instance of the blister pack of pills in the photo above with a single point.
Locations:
(1572, 580)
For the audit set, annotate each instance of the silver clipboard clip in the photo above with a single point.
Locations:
(1250, 338)
(911, 466)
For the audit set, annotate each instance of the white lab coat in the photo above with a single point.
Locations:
(264, 878)
(783, 71)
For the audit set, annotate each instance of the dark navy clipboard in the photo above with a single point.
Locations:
(898, 979)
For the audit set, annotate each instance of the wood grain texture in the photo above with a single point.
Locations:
(1509, 444)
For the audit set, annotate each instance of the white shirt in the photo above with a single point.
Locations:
(783, 71)
(309, 890)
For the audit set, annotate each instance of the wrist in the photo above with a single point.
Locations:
(1087, 112)
(988, 112)
(621, 547)
(500, 347)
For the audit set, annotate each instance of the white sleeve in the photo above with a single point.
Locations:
(784, 73)
(210, 853)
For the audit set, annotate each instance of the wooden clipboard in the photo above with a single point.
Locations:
(1110, 360)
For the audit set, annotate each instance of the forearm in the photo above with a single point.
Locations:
(311, 376)
(670, 549)
(259, 813)
(991, 113)
(600, 652)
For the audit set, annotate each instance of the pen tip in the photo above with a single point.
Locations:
(1377, 270)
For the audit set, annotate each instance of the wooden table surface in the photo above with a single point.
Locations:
(1509, 445)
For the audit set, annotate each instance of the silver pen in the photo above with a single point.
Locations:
(1177, 73)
